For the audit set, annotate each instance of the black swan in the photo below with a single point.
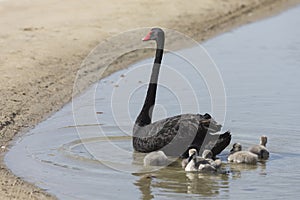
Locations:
(173, 135)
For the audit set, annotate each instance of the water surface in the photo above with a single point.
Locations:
(92, 158)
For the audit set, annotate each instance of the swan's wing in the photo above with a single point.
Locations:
(170, 135)
(222, 142)
(174, 135)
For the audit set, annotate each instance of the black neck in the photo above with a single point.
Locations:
(145, 116)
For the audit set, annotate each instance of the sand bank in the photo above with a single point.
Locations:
(42, 44)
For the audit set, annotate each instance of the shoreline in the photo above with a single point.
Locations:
(41, 57)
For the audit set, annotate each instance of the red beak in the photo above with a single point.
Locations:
(147, 37)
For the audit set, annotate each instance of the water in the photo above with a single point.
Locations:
(259, 64)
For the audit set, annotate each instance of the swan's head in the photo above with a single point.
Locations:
(263, 140)
(209, 124)
(154, 34)
(236, 147)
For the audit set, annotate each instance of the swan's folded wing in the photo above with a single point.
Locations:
(172, 135)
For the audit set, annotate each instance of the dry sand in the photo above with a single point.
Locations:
(42, 44)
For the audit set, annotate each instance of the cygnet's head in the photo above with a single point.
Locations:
(193, 152)
(263, 140)
(236, 147)
(207, 154)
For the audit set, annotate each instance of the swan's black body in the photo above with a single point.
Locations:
(174, 135)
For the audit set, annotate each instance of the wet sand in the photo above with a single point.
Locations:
(42, 44)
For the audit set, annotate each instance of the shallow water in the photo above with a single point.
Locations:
(93, 159)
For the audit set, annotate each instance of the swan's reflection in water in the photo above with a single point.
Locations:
(144, 184)
(206, 184)
(173, 179)
(236, 170)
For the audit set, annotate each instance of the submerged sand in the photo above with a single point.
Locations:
(42, 45)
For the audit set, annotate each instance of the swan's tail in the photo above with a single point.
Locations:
(223, 141)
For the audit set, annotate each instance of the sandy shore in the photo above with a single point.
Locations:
(42, 44)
